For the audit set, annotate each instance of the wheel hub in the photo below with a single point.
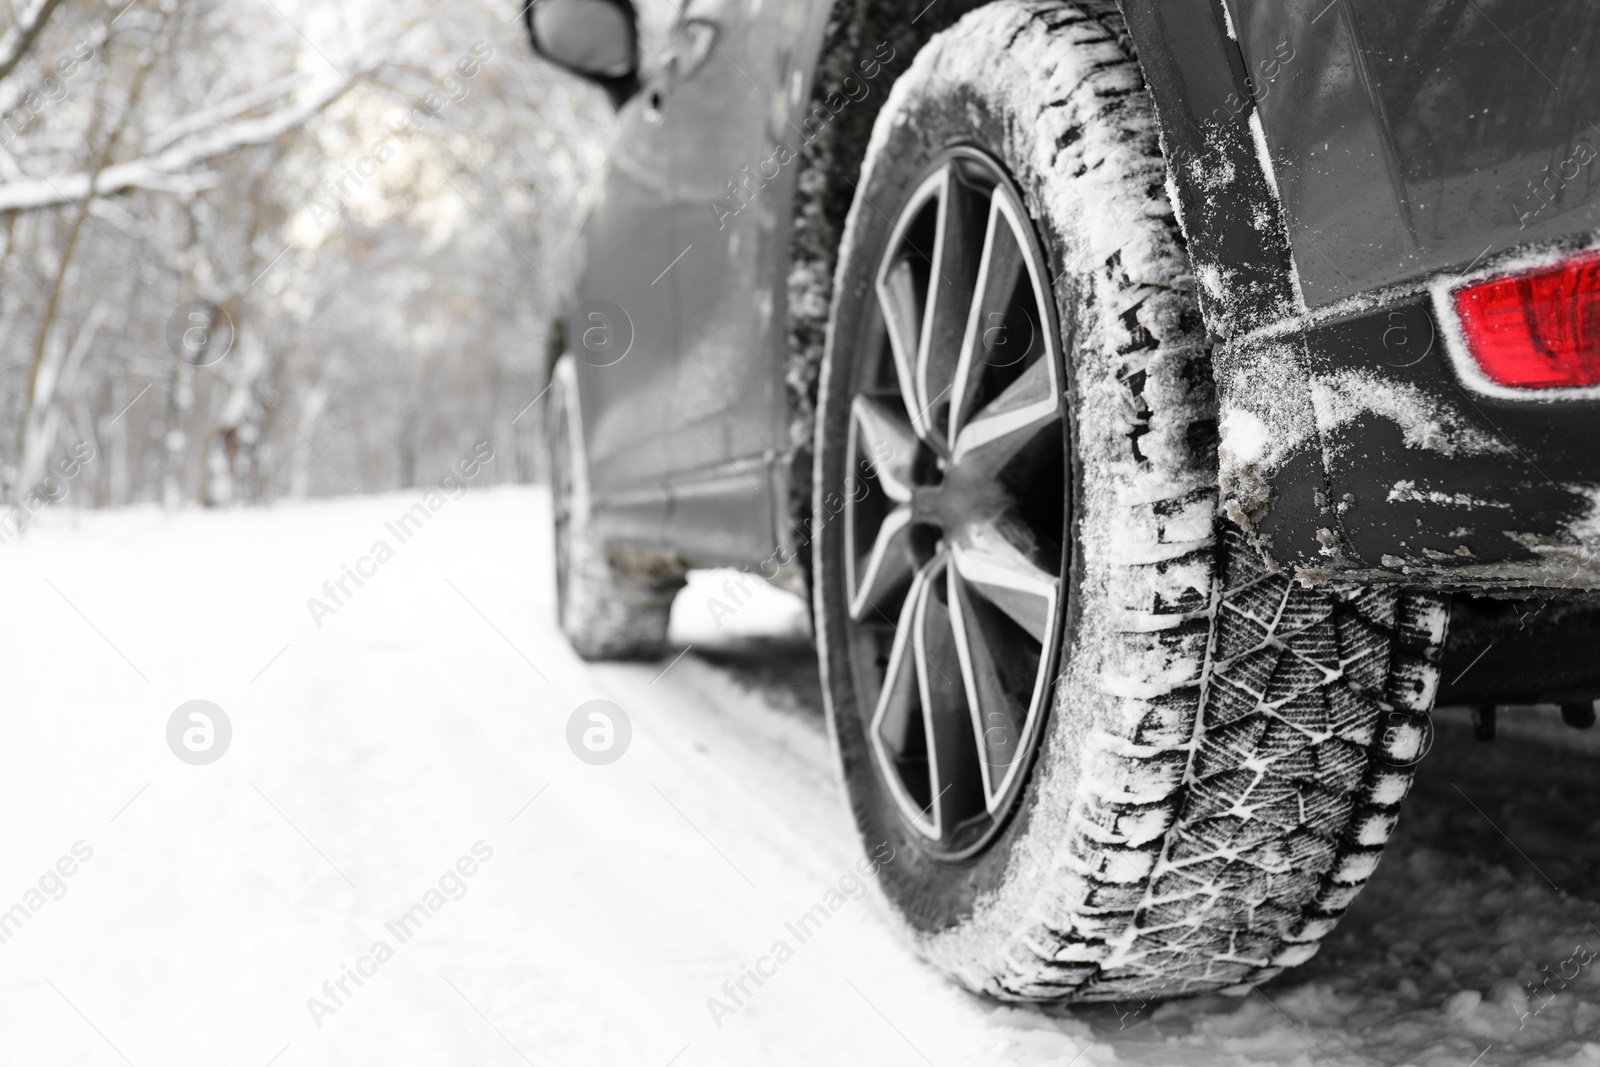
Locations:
(963, 498)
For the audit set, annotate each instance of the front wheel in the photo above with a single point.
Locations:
(1113, 754)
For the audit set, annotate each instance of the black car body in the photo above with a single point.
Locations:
(1387, 213)
(1339, 169)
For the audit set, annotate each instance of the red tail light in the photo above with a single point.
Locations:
(1539, 329)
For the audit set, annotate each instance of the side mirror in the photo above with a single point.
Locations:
(598, 40)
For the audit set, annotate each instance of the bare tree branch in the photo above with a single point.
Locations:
(18, 40)
(228, 109)
(160, 170)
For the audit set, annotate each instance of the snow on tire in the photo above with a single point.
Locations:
(1218, 755)
(606, 612)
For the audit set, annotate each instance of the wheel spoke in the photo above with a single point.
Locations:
(1005, 425)
(887, 569)
(952, 748)
(897, 710)
(955, 266)
(900, 297)
(885, 442)
(998, 560)
(897, 726)
(987, 338)
(999, 710)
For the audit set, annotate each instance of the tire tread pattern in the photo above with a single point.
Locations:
(1239, 775)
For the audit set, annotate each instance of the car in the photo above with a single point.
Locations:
(1142, 393)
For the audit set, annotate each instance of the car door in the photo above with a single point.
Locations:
(620, 328)
(729, 224)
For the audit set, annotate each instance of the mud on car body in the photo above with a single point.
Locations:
(1138, 390)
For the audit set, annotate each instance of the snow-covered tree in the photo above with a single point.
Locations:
(249, 250)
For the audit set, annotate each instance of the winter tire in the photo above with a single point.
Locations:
(1115, 756)
(607, 611)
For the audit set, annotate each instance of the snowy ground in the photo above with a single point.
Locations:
(425, 721)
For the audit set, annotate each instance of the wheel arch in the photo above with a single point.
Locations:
(829, 168)
(855, 32)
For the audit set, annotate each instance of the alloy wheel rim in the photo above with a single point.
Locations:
(956, 546)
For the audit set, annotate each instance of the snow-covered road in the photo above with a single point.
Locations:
(412, 750)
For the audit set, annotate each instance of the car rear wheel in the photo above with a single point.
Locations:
(1113, 754)
(607, 608)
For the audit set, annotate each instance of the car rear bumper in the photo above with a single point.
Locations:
(1356, 444)
(1330, 165)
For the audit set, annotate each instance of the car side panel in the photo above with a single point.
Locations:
(1410, 136)
(727, 209)
(734, 166)
(625, 242)
(1323, 224)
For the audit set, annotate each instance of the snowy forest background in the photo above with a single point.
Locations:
(375, 196)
